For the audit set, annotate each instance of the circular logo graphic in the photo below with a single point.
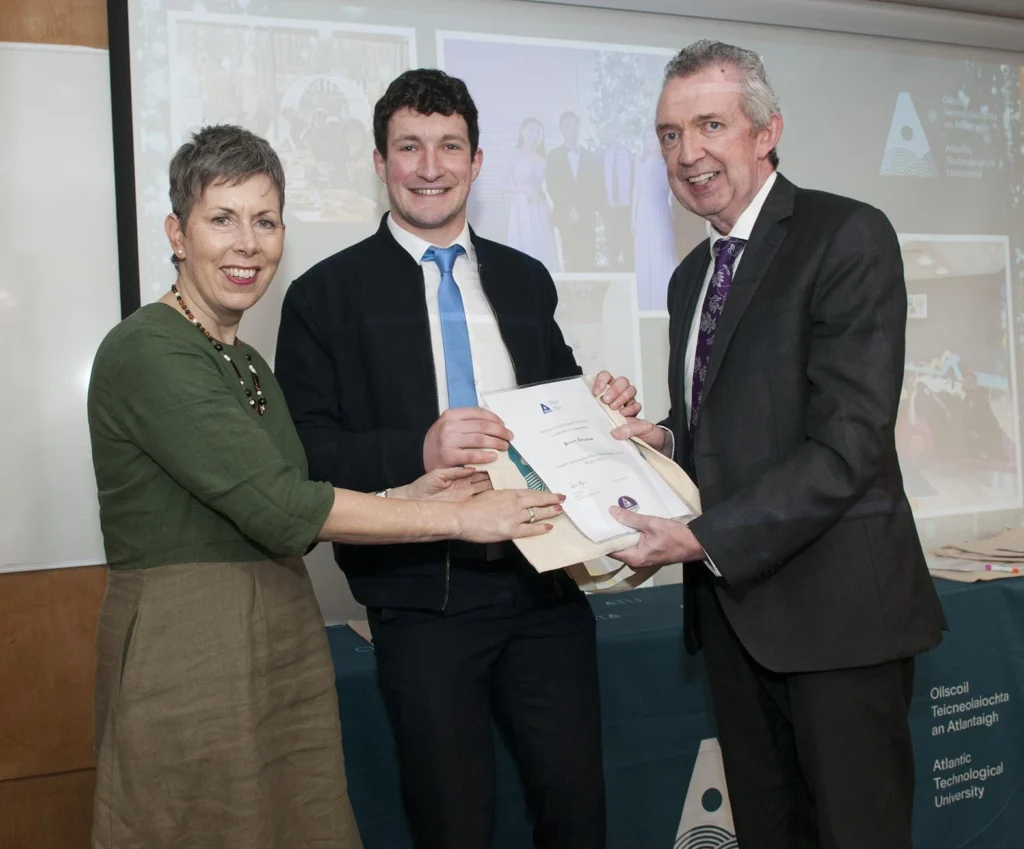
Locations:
(711, 800)
(627, 503)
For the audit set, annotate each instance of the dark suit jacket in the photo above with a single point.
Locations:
(582, 192)
(804, 511)
(355, 363)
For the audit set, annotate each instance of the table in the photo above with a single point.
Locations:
(663, 774)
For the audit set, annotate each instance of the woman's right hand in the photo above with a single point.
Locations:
(507, 514)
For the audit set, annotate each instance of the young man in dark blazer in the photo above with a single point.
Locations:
(369, 355)
(804, 577)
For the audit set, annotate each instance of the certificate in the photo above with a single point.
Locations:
(563, 433)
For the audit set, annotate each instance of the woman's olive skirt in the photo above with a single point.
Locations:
(216, 715)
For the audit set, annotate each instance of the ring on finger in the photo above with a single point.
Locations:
(533, 516)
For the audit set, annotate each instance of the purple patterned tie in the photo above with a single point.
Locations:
(725, 251)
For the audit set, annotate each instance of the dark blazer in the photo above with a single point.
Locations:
(804, 511)
(355, 363)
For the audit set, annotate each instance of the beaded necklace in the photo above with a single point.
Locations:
(259, 403)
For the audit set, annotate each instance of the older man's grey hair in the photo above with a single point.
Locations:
(758, 100)
(217, 155)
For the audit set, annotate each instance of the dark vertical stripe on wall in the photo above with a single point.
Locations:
(124, 155)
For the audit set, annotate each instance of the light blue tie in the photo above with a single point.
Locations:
(458, 359)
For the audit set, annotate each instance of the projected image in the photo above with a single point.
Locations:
(957, 432)
(306, 86)
(598, 317)
(956, 129)
(573, 174)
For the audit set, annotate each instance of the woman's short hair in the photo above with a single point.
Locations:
(219, 154)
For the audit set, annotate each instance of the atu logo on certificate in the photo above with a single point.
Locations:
(627, 503)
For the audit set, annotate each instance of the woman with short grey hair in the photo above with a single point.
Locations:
(216, 716)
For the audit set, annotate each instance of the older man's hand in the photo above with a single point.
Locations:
(662, 541)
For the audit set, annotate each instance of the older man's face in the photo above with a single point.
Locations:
(716, 161)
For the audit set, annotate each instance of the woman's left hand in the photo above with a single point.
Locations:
(457, 484)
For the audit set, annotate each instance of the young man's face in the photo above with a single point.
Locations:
(428, 172)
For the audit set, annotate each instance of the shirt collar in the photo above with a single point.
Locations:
(416, 247)
(744, 225)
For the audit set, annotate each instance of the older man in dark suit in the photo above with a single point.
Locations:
(804, 577)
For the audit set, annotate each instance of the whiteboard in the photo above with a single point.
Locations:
(59, 296)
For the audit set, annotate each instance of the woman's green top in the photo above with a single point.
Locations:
(187, 471)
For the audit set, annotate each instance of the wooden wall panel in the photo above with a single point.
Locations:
(51, 812)
(47, 655)
(48, 619)
(82, 22)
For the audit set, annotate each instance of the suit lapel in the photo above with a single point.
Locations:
(695, 284)
(687, 302)
(402, 283)
(765, 239)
